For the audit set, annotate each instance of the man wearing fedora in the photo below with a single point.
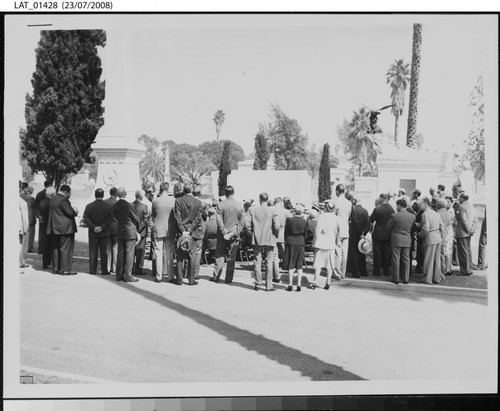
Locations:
(400, 226)
(187, 209)
(358, 228)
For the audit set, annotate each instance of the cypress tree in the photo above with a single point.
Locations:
(64, 113)
(324, 186)
(261, 152)
(224, 168)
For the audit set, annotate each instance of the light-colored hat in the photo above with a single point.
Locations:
(364, 245)
(185, 242)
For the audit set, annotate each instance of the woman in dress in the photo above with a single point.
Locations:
(448, 238)
(295, 243)
(326, 240)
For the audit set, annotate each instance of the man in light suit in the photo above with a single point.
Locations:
(187, 210)
(343, 210)
(128, 223)
(23, 232)
(465, 227)
(27, 195)
(230, 221)
(431, 232)
(62, 227)
(97, 217)
(166, 230)
(145, 222)
(265, 227)
(112, 247)
(400, 225)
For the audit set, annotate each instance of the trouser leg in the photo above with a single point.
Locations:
(195, 259)
(231, 261)
(93, 253)
(129, 257)
(404, 270)
(159, 258)
(464, 254)
(257, 269)
(395, 263)
(269, 251)
(66, 246)
(103, 244)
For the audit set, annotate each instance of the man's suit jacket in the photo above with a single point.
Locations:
(113, 225)
(380, 216)
(186, 208)
(23, 217)
(163, 216)
(359, 224)
(127, 218)
(400, 225)
(97, 214)
(343, 210)
(144, 217)
(40, 196)
(265, 225)
(44, 211)
(431, 231)
(61, 216)
(283, 215)
(31, 211)
(466, 220)
(230, 217)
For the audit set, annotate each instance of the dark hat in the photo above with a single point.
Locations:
(185, 242)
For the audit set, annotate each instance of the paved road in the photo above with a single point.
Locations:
(147, 332)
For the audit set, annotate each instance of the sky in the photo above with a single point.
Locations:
(167, 74)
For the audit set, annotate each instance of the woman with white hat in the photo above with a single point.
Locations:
(326, 240)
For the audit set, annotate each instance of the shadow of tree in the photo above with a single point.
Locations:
(307, 365)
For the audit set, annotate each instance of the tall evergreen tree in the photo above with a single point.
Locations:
(287, 141)
(64, 113)
(262, 153)
(324, 185)
(415, 77)
(224, 168)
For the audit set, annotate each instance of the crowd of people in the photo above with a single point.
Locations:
(434, 230)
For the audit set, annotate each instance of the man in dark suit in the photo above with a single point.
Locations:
(128, 224)
(466, 223)
(97, 217)
(42, 224)
(230, 220)
(61, 226)
(45, 245)
(166, 230)
(145, 218)
(381, 236)
(265, 226)
(400, 226)
(359, 225)
(187, 209)
(112, 247)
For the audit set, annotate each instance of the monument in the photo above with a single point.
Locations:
(117, 153)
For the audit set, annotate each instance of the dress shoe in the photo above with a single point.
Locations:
(172, 281)
(256, 287)
(215, 279)
(68, 273)
(130, 279)
(119, 279)
(44, 267)
(435, 282)
(24, 266)
(276, 280)
(157, 281)
(193, 283)
(105, 273)
(289, 288)
(395, 282)
(178, 282)
(270, 289)
(139, 272)
(312, 286)
(405, 282)
(299, 288)
(326, 287)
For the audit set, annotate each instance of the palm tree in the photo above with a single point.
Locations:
(219, 121)
(415, 76)
(398, 77)
(153, 165)
(364, 145)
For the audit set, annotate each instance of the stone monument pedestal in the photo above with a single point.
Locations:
(118, 164)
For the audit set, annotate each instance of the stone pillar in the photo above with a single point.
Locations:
(117, 152)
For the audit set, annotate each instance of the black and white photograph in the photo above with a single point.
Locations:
(231, 204)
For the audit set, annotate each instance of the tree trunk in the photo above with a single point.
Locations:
(415, 75)
(396, 126)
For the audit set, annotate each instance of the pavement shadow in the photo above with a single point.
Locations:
(307, 365)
